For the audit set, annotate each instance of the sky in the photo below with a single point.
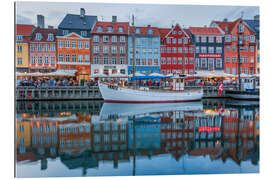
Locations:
(154, 15)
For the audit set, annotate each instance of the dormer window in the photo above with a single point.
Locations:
(50, 37)
(38, 37)
(83, 33)
(179, 32)
(19, 38)
(150, 31)
(137, 31)
(174, 32)
(120, 29)
(110, 29)
(99, 29)
(65, 32)
(226, 29)
(240, 28)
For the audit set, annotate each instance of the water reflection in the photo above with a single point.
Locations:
(83, 135)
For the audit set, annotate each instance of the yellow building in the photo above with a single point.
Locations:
(23, 33)
(258, 58)
(23, 135)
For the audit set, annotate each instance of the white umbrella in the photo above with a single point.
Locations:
(155, 74)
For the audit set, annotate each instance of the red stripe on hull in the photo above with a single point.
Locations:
(175, 101)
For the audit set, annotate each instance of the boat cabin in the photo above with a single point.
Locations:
(178, 82)
(248, 84)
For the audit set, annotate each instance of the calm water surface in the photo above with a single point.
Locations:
(92, 138)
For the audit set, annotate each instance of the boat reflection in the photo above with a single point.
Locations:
(126, 132)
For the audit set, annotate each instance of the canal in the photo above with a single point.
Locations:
(92, 138)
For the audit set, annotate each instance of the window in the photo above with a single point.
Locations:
(137, 31)
(80, 44)
(228, 38)
(219, 62)
(156, 50)
(83, 33)
(190, 60)
(67, 44)
(19, 60)
(163, 49)
(113, 60)
(65, 32)
(190, 50)
(114, 49)
(163, 60)
(203, 39)
(32, 47)
(246, 48)
(122, 60)
(74, 58)
(240, 28)
(138, 62)
(218, 39)
(197, 62)
(105, 60)
(38, 37)
(150, 31)
(120, 29)
(251, 48)
(60, 43)
(96, 60)
(218, 49)
(33, 59)
(80, 58)
(246, 38)
(211, 50)
(67, 58)
(46, 47)
(228, 59)
(40, 60)
(203, 62)
(105, 38)
(185, 40)
(96, 49)
(73, 44)
(114, 39)
(203, 49)
(39, 47)
(186, 60)
(228, 48)
(179, 41)
(179, 60)
(180, 50)
(86, 45)
(19, 48)
(105, 49)
(168, 40)
(169, 60)
(122, 50)
(233, 48)
(174, 50)
(46, 60)
(52, 47)
(168, 50)
(52, 60)
(185, 50)
(19, 38)
(50, 37)
(60, 57)
(252, 38)
(245, 70)
(99, 29)
(110, 29)
(211, 39)
(228, 70)
(174, 41)
(234, 59)
(197, 49)
(174, 60)
(96, 38)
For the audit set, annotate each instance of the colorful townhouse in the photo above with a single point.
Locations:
(238, 31)
(109, 48)
(73, 43)
(176, 51)
(147, 50)
(254, 24)
(42, 50)
(209, 51)
(23, 34)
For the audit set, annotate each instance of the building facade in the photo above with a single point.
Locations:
(177, 51)
(238, 31)
(23, 34)
(147, 50)
(109, 48)
(209, 51)
(73, 43)
(42, 48)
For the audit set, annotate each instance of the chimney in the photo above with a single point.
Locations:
(40, 21)
(82, 13)
(172, 26)
(257, 17)
(50, 27)
(148, 25)
(114, 18)
(225, 20)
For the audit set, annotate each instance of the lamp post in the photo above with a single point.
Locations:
(239, 47)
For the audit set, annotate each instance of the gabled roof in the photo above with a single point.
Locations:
(254, 25)
(24, 29)
(114, 25)
(44, 32)
(227, 27)
(163, 32)
(205, 31)
(144, 31)
(72, 21)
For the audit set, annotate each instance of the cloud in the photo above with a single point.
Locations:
(22, 20)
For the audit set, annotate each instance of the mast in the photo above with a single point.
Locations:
(239, 43)
(133, 46)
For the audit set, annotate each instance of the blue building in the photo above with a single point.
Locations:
(147, 50)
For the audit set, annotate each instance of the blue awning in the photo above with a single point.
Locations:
(149, 77)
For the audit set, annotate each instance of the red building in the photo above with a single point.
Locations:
(238, 31)
(176, 51)
(43, 50)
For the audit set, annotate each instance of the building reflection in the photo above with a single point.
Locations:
(82, 140)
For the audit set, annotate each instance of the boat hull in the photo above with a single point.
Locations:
(126, 95)
(242, 95)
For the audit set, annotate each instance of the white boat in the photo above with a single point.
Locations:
(115, 94)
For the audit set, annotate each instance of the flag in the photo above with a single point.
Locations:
(220, 89)
(220, 110)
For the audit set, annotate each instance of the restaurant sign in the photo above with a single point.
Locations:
(208, 129)
(209, 55)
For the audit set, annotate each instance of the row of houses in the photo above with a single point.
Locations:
(87, 45)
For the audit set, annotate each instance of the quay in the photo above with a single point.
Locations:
(26, 93)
